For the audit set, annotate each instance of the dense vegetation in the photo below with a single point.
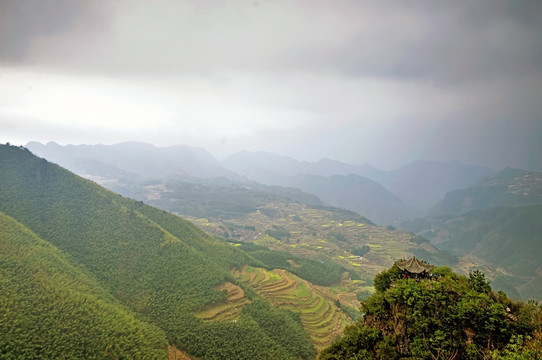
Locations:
(154, 263)
(46, 300)
(454, 317)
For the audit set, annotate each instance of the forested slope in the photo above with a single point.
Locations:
(51, 309)
(158, 265)
(507, 238)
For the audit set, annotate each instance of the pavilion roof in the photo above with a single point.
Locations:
(414, 265)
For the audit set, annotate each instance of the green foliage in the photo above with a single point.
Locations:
(361, 251)
(454, 317)
(382, 280)
(318, 272)
(284, 327)
(151, 262)
(350, 311)
(278, 232)
(363, 295)
(338, 236)
(50, 309)
(478, 281)
(358, 342)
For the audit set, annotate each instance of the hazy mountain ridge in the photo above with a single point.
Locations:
(358, 194)
(272, 169)
(508, 187)
(133, 160)
(418, 185)
(415, 186)
(422, 184)
(210, 198)
(497, 220)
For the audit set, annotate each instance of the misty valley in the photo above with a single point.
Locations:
(270, 180)
(263, 257)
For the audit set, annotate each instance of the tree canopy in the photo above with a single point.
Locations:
(452, 317)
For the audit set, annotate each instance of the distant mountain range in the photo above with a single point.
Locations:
(133, 160)
(422, 184)
(419, 185)
(387, 197)
(359, 194)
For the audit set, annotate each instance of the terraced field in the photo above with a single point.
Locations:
(320, 234)
(228, 310)
(318, 312)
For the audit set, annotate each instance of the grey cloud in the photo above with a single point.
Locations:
(23, 23)
(478, 65)
(442, 41)
(447, 42)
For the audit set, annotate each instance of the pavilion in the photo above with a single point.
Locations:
(414, 268)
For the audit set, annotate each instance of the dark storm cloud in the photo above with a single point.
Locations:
(24, 22)
(446, 41)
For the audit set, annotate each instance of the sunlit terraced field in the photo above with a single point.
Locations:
(228, 310)
(318, 312)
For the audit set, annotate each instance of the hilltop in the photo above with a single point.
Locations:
(452, 317)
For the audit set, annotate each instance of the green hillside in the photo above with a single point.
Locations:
(508, 239)
(158, 265)
(45, 300)
(496, 223)
(506, 188)
(452, 317)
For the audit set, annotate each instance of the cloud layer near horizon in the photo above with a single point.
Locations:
(359, 81)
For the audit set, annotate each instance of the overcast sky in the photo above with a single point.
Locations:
(378, 82)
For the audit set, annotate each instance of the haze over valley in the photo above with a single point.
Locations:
(270, 179)
(456, 205)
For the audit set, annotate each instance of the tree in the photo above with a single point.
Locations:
(478, 281)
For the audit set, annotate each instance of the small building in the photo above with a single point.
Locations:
(414, 268)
